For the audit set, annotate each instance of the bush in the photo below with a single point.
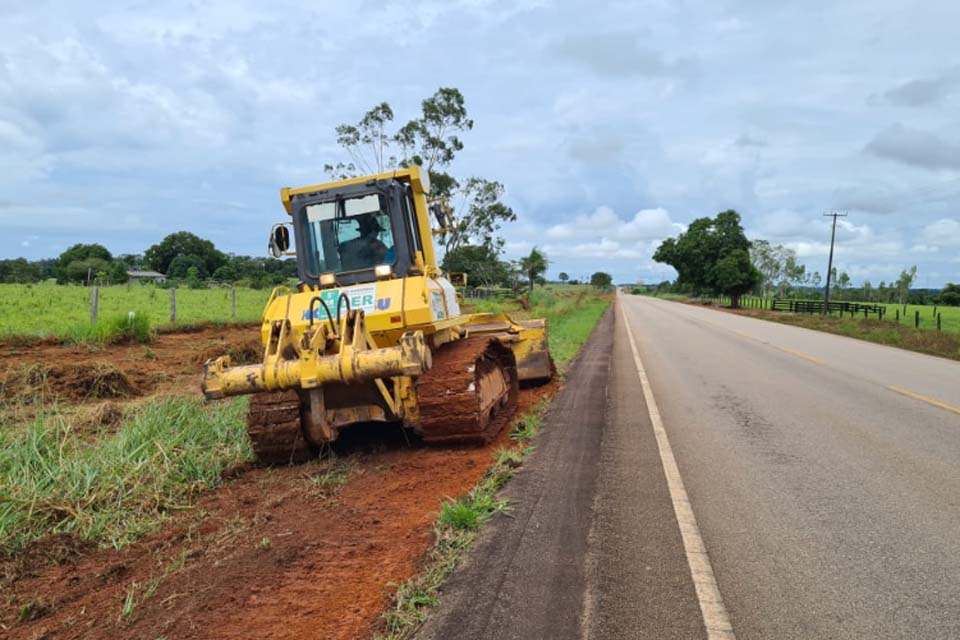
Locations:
(133, 327)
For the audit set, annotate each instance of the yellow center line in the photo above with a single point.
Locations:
(801, 355)
(922, 398)
(770, 344)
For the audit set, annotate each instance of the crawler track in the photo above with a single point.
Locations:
(273, 424)
(469, 393)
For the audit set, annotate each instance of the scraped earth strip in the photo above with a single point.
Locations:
(244, 561)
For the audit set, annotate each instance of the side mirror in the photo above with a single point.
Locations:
(442, 214)
(279, 240)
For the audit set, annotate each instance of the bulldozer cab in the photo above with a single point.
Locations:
(353, 232)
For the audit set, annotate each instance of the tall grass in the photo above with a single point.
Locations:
(110, 491)
(570, 316)
(130, 327)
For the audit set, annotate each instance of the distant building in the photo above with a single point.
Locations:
(136, 275)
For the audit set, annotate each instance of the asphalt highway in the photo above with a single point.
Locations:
(823, 474)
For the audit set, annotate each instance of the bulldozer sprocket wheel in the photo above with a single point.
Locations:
(274, 427)
(470, 392)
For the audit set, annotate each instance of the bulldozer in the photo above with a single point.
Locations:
(373, 331)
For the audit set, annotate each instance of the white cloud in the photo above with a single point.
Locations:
(942, 233)
(184, 115)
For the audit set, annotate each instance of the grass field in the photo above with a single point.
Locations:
(62, 310)
(949, 316)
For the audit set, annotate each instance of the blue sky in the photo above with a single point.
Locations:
(611, 125)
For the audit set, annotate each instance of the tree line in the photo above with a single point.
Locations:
(713, 256)
(182, 257)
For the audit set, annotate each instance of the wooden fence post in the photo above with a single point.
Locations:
(173, 305)
(233, 303)
(94, 304)
(916, 319)
(938, 322)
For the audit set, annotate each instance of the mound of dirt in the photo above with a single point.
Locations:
(241, 352)
(100, 380)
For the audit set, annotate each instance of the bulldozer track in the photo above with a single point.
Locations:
(470, 392)
(274, 427)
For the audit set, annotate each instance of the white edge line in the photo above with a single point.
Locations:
(715, 617)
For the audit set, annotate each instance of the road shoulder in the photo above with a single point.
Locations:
(526, 576)
(591, 547)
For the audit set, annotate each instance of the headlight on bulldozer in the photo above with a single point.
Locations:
(383, 270)
(328, 279)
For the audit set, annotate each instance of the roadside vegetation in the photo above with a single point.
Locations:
(945, 343)
(119, 484)
(571, 311)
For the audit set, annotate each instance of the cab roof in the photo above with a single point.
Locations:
(414, 175)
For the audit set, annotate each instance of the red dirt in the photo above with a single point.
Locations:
(268, 555)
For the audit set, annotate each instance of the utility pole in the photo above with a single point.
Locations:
(833, 236)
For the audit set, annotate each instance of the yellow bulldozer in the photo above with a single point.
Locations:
(373, 331)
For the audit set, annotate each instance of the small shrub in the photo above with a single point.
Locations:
(511, 458)
(133, 327)
(459, 515)
(526, 428)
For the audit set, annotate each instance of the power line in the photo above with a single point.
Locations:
(833, 237)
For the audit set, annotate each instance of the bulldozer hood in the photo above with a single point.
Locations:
(389, 305)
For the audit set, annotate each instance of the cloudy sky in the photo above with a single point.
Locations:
(612, 125)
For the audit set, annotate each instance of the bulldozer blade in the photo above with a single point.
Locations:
(534, 364)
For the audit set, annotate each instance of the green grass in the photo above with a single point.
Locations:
(930, 341)
(949, 316)
(132, 327)
(64, 310)
(122, 484)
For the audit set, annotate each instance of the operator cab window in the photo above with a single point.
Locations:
(349, 234)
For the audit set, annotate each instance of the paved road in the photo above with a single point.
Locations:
(824, 474)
